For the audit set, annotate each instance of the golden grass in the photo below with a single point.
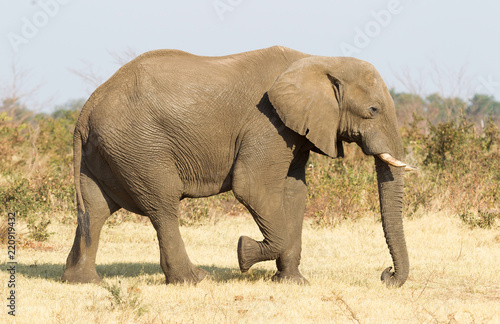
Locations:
(454, 277)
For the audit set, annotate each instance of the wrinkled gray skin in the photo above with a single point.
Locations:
(170, 125)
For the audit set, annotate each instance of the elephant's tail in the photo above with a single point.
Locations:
(83, 214)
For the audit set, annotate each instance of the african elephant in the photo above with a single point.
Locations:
(170, 125)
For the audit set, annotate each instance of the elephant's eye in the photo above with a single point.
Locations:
(373, 111)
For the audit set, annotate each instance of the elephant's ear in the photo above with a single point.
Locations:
(306, 97)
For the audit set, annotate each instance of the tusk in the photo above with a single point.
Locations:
(387, 158)
(410, 168)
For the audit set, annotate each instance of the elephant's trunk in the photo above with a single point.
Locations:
(390, 187)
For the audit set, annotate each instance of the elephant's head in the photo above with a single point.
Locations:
(335, 99)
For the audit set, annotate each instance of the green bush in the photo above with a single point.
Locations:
(465, 167)
(37, 176)
(481, 219)
(37, 227)
(340, 189)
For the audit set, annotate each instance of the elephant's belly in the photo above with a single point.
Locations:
(207, 186)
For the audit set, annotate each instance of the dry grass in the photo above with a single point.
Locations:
(454, 277)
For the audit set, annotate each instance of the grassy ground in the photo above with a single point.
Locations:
(454, 277)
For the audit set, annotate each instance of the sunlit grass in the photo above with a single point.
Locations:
(454, 277)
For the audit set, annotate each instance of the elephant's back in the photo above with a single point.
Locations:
(178, 94)
(186, 79)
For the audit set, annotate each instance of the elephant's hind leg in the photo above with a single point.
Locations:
(173, 256)
(174, 260)
(80, 265)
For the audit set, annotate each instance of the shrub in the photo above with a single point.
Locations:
(38, 228)
(481, 219)
(466, 168)
(341, 189)
(36, 178)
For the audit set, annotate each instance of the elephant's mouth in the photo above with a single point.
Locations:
(389, 159)
(370, 147)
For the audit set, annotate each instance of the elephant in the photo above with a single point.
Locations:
(170, 125)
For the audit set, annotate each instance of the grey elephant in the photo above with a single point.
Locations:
(170, 125)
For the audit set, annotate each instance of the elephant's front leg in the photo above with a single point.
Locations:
(294, 202)
(260, 182)
(265, 203)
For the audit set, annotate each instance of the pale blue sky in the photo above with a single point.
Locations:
(51, 37)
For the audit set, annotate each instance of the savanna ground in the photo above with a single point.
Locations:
(451, 216)
(454, 277)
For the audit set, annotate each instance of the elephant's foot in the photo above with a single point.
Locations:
(193, 276)
(81, 275)
(290, 276)
(249, 253)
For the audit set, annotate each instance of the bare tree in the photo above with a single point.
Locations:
(452, 89)
(414, 84)
(451, 82)
(88, 75)
(92, 78)
(124, 56)
(17, 94)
